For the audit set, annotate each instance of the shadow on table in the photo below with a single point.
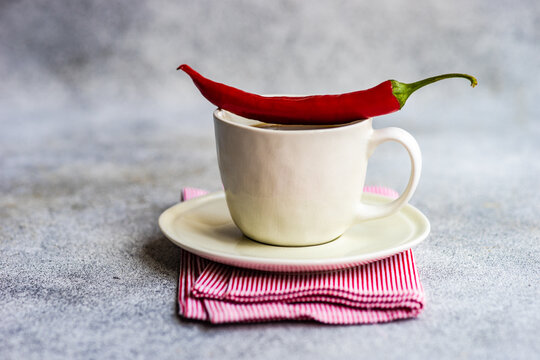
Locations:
(250, 326)
(161, 255)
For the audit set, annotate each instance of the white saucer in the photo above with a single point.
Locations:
(204, 227)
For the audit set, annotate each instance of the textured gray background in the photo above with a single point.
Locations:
(98, 133)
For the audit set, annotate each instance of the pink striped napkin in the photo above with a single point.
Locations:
(381, 291)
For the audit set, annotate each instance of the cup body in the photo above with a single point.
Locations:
(292, 187)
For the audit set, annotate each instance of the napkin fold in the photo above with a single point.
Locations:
(381, 291)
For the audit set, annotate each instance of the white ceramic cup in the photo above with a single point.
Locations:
(302, 187)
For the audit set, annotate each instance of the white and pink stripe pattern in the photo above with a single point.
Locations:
(380, 291)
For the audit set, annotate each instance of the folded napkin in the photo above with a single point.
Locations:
(380, 291)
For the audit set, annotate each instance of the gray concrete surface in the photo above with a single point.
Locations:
(98, 134)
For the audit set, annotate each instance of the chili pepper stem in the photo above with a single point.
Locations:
(402, 91)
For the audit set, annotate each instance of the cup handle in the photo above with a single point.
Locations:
(368, 211)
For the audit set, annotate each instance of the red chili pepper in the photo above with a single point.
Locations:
(384, 98)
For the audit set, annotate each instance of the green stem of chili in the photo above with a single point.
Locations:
(402, 91)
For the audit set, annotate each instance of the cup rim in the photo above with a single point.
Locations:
(330, 128)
